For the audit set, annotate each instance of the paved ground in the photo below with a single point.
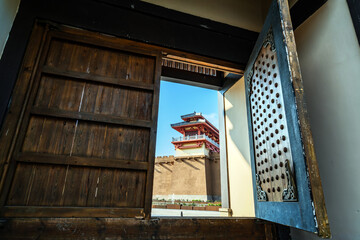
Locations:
(159, 212)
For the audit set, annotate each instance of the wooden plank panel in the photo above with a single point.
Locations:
(73, 186)
(80, 161)
(102, 187)
(49, 135)
(84, 58)
(60, 93)
(120, 102)
(109, 141)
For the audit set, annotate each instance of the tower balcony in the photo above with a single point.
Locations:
(195, 137)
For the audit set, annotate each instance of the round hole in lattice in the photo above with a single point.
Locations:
(276, 131)
(263, 141)
(273, 145)
(281, 127)
(265, 120)
(275, 75)
(267, 138)
(278, 189)
(264, 71)
(265, 152)
(276, 166)
(281, 164)
(269, 73)
(263, 101)
(278, 141)
(268, 179)
(266, 160)
(271, 168)
(270, 82)
(262, 93)
(266, 170)
(258, 155)
(267, 56)
(265, 79)
(272, 57)
(273, 111)
(283, 176)
(268, 64)
(277, 95)
(272, 100)
(260, 106)
(271, 91)
(279, 153)
(285, 149)
(279, 105)
(270, 125)
(271, 135)
(269, 190)
(269, 115)
(260, 77)
(262, 123)
(280, 116)
(273, 66)
(258, 165)
(262, 162)
(273, 189)
(260, 144)
(267, 96)
(261, 153)
(276, 85)
(263, 180)
(266, 129)
(283, 138)
(263, 171)
(277, 177)
(274, 155)
(266, 88)
(275, 120)
(260, 114)
(256, 138)
(272, 179)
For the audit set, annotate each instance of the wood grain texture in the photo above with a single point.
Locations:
(88, 133)
(117, 228)
(303, 116)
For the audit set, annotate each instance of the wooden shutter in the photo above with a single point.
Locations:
(287, 185)
(79, 138)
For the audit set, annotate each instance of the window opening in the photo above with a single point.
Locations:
(187, 163)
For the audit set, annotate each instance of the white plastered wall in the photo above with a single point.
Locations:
(238, 152)
(329, 56)
(8, 10)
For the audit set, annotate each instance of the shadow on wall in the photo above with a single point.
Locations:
(238, 150)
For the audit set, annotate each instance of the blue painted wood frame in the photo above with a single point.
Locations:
(299, 214)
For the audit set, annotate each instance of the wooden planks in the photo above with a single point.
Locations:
(87, 135)
(74, 186)
(116, 228)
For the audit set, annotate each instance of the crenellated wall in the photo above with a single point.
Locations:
(190, 177)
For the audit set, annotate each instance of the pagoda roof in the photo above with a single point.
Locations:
(196, 122)
(194, 115)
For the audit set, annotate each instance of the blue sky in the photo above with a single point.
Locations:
(179, 99)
